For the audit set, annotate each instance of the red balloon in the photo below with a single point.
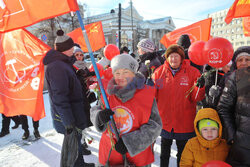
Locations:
(111, 51)
(108, 73)
(195, 53)
(219, 51)
(99, 67)
(216, 164)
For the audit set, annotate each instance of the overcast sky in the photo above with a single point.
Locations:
(183, 12)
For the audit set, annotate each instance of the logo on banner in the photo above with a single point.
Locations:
(19, 72)
(215, 56)
(123, 119)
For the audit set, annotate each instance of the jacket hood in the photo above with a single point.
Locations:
(54, 55)
(211, 114)
(148, 56)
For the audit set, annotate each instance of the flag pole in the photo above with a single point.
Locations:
(98, 76)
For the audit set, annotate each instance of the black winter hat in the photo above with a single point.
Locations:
(63, 42)
(124, 48)
(184, 41)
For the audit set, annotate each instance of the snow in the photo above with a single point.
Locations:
(45, 152)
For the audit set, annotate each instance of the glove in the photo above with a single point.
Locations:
(91, 73)
(200, 82)
(214, 91)
(82, 73)
(69, 129)
(120, 147)
(104, 115)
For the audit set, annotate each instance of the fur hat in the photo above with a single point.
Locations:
(239, 52)
(124, 61)
(184, 41)
(146, 45)
(175, 49)
(207, 123)
(63, 42)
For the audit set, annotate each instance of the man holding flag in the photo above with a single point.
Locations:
(66, 99)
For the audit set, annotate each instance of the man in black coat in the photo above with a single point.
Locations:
(234, 111)
(66, 98)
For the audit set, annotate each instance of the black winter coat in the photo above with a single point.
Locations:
(154, 61)
(65, 93)
(234, 111)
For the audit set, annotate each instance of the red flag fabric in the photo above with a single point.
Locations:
(240, 8)
(199, 31)
(246, 26)
(95, 35)
(21, 74)
(16, 14)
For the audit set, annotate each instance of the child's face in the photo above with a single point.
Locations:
(123, 77)
(209, 133)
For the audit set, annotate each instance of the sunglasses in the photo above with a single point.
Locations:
(79, 55)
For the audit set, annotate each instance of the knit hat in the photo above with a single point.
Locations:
(63, 42)
(184, 41)
(76, 49)
(239, 52)
(124, 61)
(175, 49)
(146, 45)
(207, 123)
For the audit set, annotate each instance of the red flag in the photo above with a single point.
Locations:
(16, 14)
(246, 26)
(240, 8)
(199, 31)
(21, 74)
(95, 35)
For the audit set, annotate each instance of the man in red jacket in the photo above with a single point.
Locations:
(177, 107)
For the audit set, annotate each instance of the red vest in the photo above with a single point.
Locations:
(129, 116)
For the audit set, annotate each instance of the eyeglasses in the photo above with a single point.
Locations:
(81, 55)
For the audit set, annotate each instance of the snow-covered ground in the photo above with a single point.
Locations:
(14, 152)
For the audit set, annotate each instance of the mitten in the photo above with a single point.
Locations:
(120, 147)
(104, 115)
(214, 91)
(200, 82)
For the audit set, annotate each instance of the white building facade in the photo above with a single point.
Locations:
(233, 31)
(133, 29)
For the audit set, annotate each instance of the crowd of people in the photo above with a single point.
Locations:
(155, 95)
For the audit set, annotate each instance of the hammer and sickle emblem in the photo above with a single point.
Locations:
(94, 29)
(11, 64)
(214, 55)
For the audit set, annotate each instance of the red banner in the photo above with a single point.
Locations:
(246, 26)
(95, 35)
(199, 31)
(16, 14)
(22, 74)
(240, 8)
